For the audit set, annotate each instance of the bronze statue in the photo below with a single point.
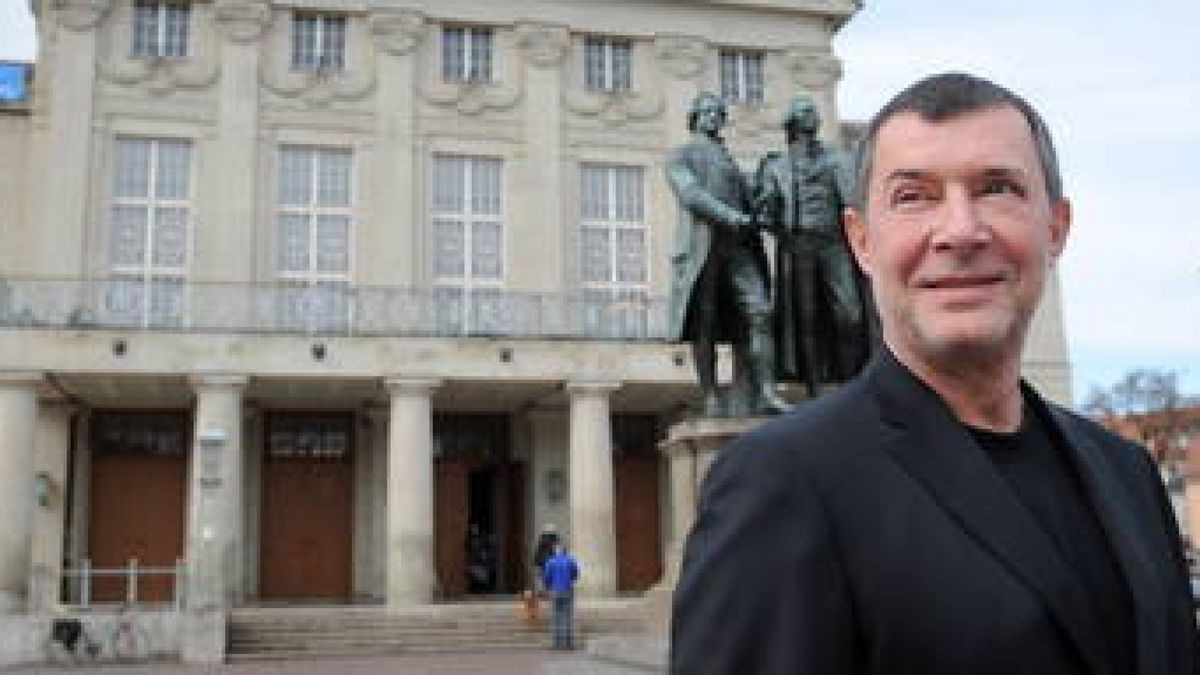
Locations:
(719, 287)
(821, 331)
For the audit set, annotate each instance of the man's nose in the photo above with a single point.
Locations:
(960, 223)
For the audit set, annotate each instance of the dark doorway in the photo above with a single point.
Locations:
(479, 506)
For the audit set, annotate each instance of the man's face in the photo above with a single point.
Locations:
(804, 116)
(958, 234)
(710, 115)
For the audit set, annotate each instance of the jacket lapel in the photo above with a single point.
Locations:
(1116, 511)
(926, 440)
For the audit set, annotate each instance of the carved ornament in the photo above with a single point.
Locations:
(80, 15)
(812, 68)
(397, 31)
(682, 56)
(243, 21)
(159, 75)
(544, 44)
(472, 98)
(615, 108)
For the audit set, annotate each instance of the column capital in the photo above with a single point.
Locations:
(595, 387)
(411, 384)
(812, 68)
(397, 31)
(82, 15)
(218, 380)
(544, 44)
(683, 57)
(16, 379)
(243, 22)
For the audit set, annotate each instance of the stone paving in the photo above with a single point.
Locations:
(491, 663)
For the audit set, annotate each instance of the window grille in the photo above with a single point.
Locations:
(467, 54)
(742, 76)
(318, 42)
(314, 220)
(150, 231)
(160, 28)
(467, 231)
(607, 64)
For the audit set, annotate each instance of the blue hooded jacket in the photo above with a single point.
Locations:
(560, 572)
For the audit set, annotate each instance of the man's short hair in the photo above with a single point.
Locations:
(941, 97)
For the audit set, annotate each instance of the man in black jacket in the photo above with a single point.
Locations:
(935, 515)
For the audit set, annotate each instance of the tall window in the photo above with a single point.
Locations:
(607, 64)
(318, 41)
(160, 28)
(150, 218)
(613, 248)
(468, 241)
(313, 216)
(742, 76)
(466, 54)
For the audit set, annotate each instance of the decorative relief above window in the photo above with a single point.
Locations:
(318, 59)
(682, 56)
(157, 45)
(472, 76)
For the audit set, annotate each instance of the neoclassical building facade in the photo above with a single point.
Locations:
(345, 300)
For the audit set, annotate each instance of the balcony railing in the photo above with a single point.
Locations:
(327, 309)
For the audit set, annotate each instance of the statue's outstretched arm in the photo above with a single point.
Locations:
(699, 202)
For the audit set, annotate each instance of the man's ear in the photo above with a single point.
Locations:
(855, 224)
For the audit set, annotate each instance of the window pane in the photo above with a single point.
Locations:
(593, 63)
(131, 168)
(176, 43)
(596, 257)
(487, 251)
(304, 41)
(166, 302)
(729, 76)
(481, 55)
(170, 237)
(333, 181)
(449, 187)
(334, 55)
(628, 190)
(754, 77)
(631, 256)
(485, 186)
(174, 170)
(333, 243)
(123, 301)
(295, 176)
(453, 69)
(128, 241)
(293, 242)
(594, 192)
(622, 66)
(145, 28)
(449, 248)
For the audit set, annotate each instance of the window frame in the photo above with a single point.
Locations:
(157, 43)
(743, 89)
(324, 58)
(469, 70)
(606, 78)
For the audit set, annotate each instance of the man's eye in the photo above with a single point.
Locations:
(908, 195)
(1001, 186)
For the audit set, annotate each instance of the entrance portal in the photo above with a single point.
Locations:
(306, 507)
(479, 506)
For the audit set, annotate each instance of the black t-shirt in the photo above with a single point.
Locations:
(1043, 477)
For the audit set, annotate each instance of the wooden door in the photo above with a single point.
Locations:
(306, 517)
(639, 556)
(138, 496)
(450, 524)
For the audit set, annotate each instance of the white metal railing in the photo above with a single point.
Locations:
(131, 573)
(326, 309)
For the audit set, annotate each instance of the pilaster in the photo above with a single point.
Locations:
(18, 423)
(52, 448)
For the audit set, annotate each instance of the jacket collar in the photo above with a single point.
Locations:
(925, 438)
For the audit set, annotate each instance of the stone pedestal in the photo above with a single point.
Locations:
(690, 448)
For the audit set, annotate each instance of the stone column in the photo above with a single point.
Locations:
(18, 417)
(410, 571)
(593, 527)
(52, 451)
(214, 533)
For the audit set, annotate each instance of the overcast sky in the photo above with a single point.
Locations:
(1119, 84)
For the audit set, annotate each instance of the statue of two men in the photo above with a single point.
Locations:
(815, 330)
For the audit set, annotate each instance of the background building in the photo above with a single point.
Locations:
(306, 292)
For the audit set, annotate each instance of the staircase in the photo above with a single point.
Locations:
(265, 633)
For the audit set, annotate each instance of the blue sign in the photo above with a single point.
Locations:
(12, 82)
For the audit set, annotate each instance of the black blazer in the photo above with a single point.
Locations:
(866, 532)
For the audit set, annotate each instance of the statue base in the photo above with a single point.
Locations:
(690, 448)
